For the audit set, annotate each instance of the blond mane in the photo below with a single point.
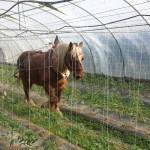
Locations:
(58, 55)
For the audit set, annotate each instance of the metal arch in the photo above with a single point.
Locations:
(16, 32)
(137, 11)
(32, 18)
(10, 37)
(123, 62)
(35, 21)
(8, 47)
(23, 26)
(12, 40)
(25, 40)
(3, 54)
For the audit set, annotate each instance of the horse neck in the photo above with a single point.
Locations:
(61, 67)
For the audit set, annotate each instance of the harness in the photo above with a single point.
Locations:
(63, 75)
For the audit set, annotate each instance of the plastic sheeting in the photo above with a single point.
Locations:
(115, 33)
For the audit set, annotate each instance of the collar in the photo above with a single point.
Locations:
(62, 75)
(66, 74)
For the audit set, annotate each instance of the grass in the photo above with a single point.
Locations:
(26, 137)
(7, 67)
(108, 96)
(110, 82)
(113, 101)
(76, 129)
(13, 126)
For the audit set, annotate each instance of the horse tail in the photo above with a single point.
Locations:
(17, 75)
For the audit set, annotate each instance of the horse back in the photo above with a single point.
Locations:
(31, 59)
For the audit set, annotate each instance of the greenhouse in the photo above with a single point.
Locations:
(75, 74)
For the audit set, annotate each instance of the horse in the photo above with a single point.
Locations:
(50, 70)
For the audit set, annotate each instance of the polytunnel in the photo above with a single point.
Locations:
(108, 108)
(115, 34)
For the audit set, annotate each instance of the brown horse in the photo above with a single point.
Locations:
(50, 69)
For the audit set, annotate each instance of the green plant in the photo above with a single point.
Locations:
(80, 131)
(49, 145)
(28, 138)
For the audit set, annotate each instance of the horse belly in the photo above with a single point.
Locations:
(36, 78)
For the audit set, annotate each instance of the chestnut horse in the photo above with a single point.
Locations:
(50, 70)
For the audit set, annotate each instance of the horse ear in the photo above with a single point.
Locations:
(70, 47)
(81, 44)
(56, 42)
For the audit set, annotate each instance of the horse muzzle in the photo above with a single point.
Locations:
(78, 74)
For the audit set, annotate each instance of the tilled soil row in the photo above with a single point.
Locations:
(43, 134)
(112, 119)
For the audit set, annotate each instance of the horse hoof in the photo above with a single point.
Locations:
(52, 108)
(30, 102)
(4, 93)
(56, 110)
(26, 101)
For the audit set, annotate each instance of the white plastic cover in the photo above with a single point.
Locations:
(115, 33)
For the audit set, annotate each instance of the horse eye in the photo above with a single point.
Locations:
(82, 59)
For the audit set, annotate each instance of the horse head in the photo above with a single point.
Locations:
(74, 58)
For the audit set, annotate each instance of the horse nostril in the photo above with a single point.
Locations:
(77, 77)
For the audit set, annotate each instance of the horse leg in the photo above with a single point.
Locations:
(58, 93)
(26, 87)
(52, 103)
(58, 90)
(50, 91)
